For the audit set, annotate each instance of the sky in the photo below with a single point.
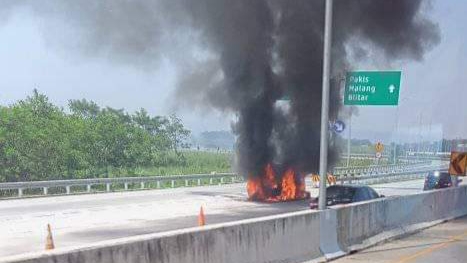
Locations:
(431, 106)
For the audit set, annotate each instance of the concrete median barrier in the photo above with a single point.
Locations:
(285, 238)
(363, 225)
(307, 236)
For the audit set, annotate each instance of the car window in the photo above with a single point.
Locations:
(445, 178)
(340, 193)
(361, 194)
(373, 193)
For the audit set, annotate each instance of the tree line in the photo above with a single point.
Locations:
(41, 141)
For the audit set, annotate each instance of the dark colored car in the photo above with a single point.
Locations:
(345, 194)
(437, 180)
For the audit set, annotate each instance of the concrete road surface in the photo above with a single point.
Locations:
(445, 243)
(83, 219)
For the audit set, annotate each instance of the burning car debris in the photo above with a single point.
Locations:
(269, 187)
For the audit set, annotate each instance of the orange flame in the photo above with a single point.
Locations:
(255, 189)
(266, 187)
(270, 178)
(289, 188)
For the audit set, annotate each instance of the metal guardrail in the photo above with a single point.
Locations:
(355, 174)
(386, 156)
(376, 169)
(126, 182)
(391, 176)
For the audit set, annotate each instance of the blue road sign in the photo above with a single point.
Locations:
(338, 126)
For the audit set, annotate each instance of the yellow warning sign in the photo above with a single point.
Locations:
(379, 147)
(458, 163)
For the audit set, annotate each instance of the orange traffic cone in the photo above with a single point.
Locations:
(201, 217)
(49, 243)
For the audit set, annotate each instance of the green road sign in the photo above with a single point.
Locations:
(372, 88)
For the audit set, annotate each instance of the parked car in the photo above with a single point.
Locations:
(345, 194)
(438, 180)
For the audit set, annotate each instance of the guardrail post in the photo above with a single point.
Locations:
(158, 184)
(233, 179)
(172, 183)
(45, 190)
(210, 180)
(68, 190)
(199, 182)
(126, 186)
(186, 183)
(222, 180)
(88, 188)
(142, 185)
(20, 192)
(107, 187)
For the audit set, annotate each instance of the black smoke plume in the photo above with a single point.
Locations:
(253, 52)
(269, 49)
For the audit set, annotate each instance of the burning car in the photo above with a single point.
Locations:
(277, 187)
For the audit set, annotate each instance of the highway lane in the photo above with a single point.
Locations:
(83, 219)
(443, 243)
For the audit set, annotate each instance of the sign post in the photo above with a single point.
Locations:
(372, 88)
(349, 138)
(379, 147)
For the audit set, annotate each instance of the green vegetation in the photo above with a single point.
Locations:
(40, 141)
(194, 163)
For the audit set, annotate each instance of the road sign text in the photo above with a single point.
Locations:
(372, 88)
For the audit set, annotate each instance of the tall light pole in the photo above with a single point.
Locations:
(419, 136)
(349, 139)
(396, 139)
(323, 154)
(349, 124)
(396, 136)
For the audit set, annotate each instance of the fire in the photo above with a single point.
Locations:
(289, 188)
(270, 180)
(255, 189)
(266, 188)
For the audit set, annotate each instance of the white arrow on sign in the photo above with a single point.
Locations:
(391, 89)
